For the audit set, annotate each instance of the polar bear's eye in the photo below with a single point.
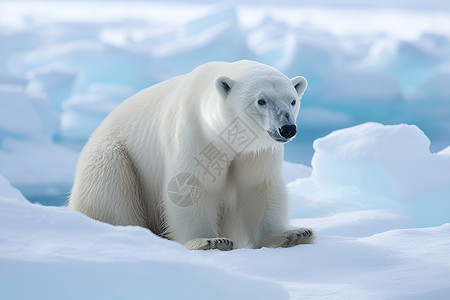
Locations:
(261, 102)
(293, 102)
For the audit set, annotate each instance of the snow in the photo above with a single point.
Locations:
(293, 171)
(401, 151)
(24, 115)
(29, 125)
(359, 223)
(50, 252)
(375, 189)
(38, 168)
(376, 166)
(53, 84)
(54, 251)
(9, 193)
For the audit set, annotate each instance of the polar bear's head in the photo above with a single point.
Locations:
(264, 100)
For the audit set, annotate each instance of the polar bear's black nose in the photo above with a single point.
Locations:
(288, 131)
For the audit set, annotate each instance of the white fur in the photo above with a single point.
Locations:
(125, 168)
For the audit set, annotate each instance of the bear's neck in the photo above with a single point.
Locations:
(214, 116)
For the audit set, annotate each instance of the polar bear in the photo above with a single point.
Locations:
(198, 159)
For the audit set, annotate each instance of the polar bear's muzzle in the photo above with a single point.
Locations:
(284, 134)
(282, 126)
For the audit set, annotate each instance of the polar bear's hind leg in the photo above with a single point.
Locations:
(108, 188)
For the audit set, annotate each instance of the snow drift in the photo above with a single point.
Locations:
(374, 166)
(50, 252)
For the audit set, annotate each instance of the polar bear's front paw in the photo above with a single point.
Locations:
(223, 244)
(290, 238)
(297, 236)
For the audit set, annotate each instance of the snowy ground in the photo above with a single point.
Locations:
(50, 253)
(376, 195)
(358, 197)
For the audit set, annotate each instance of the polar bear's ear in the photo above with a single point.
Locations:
(300, 84)
(224, 85)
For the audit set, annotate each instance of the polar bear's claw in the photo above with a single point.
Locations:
(223, 244)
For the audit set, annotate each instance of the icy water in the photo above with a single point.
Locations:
(51, 200)
(48, 195)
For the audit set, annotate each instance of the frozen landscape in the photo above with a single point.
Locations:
(376, 190)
